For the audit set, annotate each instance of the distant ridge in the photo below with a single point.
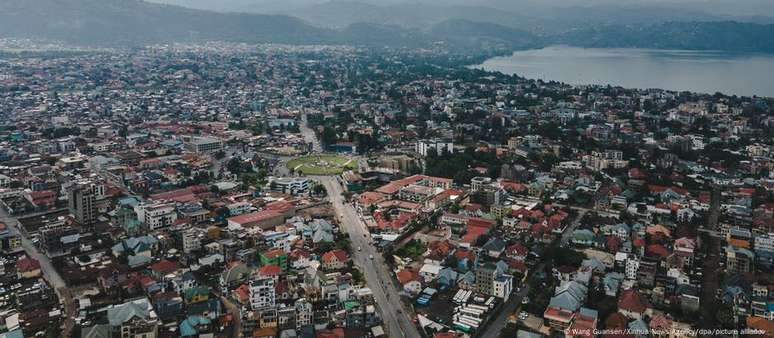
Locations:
(128, 23)
(724, 36)
(134, 22)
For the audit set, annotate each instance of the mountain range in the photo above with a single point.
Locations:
(121, 23)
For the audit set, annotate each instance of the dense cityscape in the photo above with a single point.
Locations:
(237, 190)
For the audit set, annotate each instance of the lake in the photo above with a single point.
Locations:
(697, 71)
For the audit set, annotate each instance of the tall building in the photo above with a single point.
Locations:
(81, 199)
(739, 260)
(262, 293)
(304, 314)
(491, 280)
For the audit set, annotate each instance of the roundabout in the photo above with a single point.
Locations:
(321, 164)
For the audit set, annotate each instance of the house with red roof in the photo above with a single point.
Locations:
(28, 267)
(369, 198)
(264, 219)
(411, 280)
(331, 333)
(271, 271)
(334, 259)
(657, 250)
(632, 304)
(615, 326)
(242, 294)
(163, 267)
(40, 199)
(517, 251)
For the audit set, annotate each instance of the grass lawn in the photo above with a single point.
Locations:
(321, 164)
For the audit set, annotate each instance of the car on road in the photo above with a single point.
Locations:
(370, 256)
(523, 315)
(359, 249)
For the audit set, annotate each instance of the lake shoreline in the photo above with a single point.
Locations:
(699, 71)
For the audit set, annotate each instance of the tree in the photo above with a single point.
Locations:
(319, 190)
(328, 136)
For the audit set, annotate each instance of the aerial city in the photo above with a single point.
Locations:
(406, 169)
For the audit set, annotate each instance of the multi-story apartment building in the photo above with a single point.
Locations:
(156, 215)
(262, 293)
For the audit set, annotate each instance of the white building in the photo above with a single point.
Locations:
(290, 185)
(632, 266)
(239, 208)
(262, 293)
(191, 240)
(764, 242)
(502, 287)
(204, 144)
(156, 215)
(423, 147)
(430, 272)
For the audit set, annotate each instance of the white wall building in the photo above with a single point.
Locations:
(290, 185)
(423, 147)
(632, 266)
(502, 287)
(156, 215)
(262, 293)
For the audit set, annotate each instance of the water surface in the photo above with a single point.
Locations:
(697, 71)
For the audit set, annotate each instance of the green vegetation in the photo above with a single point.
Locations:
(457, 166)
(321, 164)
(412, 249)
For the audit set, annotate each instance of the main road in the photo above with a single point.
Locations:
(309, 134)
(374, 268)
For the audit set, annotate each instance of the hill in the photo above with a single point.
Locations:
(724, 36)
(134, 22)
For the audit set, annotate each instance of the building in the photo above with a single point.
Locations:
(610, 159)
(156, 215)
(646, 272)
(739, 260)
(132, 319)
(81, 198)
(477, 183)
(334, 260)
(304, 314)
(502, 286)
(204, 145)
(424, 147)
(262, 293)
(58, 238)
(191, 240)
(485, 277)
(416, 193)
(290, 185)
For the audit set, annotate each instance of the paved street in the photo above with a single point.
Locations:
(377, 275)
(49, 273)
(309, 135)
(498, 324)
(234, 310)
